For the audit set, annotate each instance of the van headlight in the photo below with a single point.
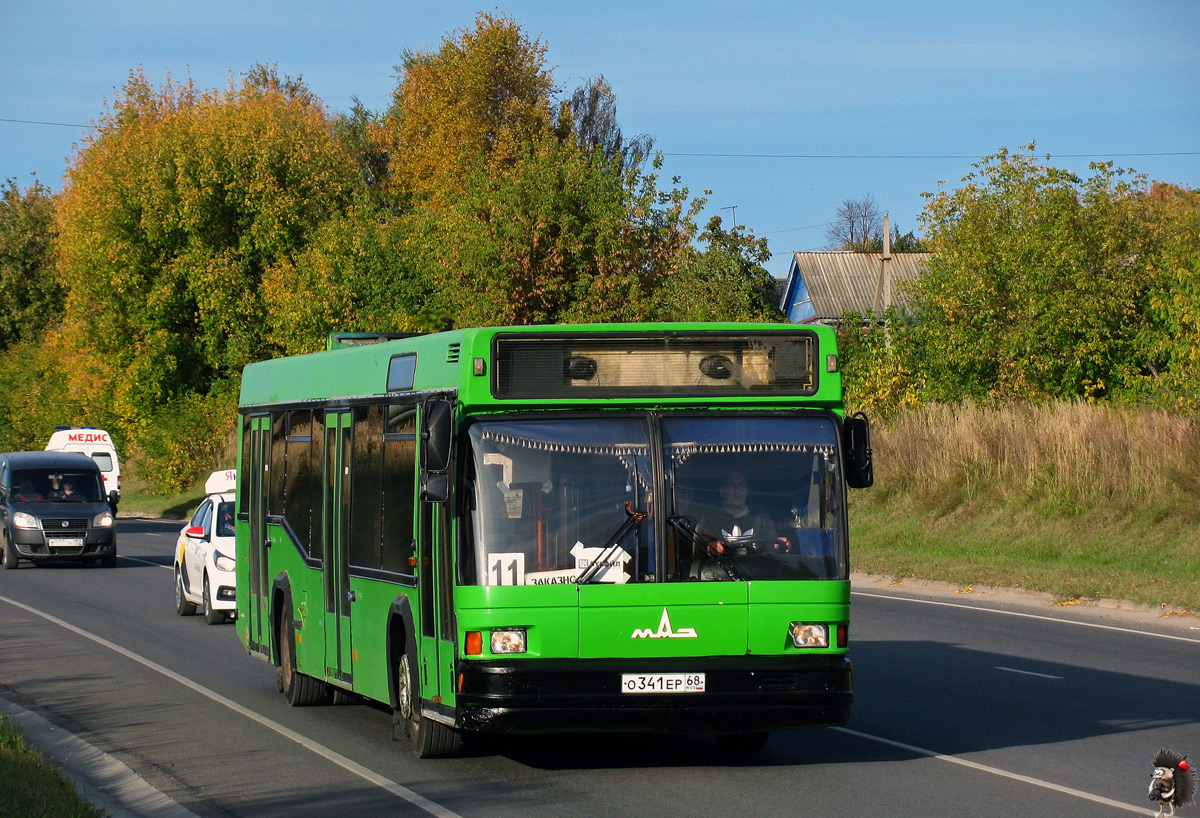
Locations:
(103, 520)
(223, 562)
(23, 520)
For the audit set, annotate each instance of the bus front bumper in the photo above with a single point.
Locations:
(742, 695)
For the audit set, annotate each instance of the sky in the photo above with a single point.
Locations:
(783, 109)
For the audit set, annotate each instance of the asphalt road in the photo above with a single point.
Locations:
(961, 709)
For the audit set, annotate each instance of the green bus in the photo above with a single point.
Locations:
(617, 527)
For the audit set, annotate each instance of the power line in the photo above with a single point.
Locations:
(794, 229)
(39, 122)
(914, 155)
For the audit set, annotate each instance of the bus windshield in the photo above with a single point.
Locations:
(577, 499)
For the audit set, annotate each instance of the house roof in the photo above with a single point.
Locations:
(821, 286)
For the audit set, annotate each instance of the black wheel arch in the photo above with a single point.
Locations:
(400, 632)
(281, 605)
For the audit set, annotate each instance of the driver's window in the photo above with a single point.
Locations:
(206, 519)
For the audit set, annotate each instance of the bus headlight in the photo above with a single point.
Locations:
(809, 634)
(223, 562)
(511, 640)
(23, 520)
(103, 520)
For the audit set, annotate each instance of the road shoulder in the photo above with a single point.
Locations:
(101, 779)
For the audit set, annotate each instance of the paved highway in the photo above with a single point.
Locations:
(962, 708)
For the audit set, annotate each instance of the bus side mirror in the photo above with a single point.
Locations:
(856, 444)
(436, 438)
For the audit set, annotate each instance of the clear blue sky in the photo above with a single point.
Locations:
(713, 82)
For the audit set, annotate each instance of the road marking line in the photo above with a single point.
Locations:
(1028, 672)
(1030, 616)
(147, 562)
(974, 765)
(340, 760)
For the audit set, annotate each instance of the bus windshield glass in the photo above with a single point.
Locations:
(575, 499)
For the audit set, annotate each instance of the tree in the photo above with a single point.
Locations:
(1170, 341)
(723, 281)
(30, 296)
(591, 116)
(555, 238)
(1038, 283)
(857, 225)
(484, 94)
(174, 213)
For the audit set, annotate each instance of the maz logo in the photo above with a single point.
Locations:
(664, 631)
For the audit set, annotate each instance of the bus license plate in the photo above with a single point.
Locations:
(662, 682)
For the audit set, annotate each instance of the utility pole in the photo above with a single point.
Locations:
(733, 215)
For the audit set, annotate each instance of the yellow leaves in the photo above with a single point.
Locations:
(484, 96)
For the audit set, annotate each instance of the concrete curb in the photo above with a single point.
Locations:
(101, 779)
(1168, 615)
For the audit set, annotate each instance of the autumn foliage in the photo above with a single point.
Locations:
(199, 230)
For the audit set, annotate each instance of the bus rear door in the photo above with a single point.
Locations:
(257, 459)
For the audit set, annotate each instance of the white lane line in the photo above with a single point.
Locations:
(1030, 616)
(1028, 672)
(398, 790)
(148, 562)
(984, 768)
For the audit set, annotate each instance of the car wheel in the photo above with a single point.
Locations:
(210, 616)
(109, 560)
(8, 554)
(429, 739)
(182, 606)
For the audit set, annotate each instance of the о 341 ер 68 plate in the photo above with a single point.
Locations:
(662, 682)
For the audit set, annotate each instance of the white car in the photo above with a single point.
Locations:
(204, 554)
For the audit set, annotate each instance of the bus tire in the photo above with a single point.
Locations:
(298, 689)
(182, 606)
(429, 739)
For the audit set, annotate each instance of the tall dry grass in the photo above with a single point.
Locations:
(1060, 453)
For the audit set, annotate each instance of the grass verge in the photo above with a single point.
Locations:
(1145, 555)
(30, 787)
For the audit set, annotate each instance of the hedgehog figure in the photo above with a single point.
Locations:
(1173, 782)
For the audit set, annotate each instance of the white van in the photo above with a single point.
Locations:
(96, 444)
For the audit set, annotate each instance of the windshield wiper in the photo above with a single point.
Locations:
(612, 544)
(700, 547)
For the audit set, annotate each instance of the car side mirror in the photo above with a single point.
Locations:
(196, 532)
(112, 501)
(856, 445)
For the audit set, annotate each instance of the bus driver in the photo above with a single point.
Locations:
(733, 527)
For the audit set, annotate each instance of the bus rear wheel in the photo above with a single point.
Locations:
(429, 739)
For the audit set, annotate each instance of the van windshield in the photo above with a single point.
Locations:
(56, 486)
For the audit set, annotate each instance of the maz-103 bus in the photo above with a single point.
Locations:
(555, 528)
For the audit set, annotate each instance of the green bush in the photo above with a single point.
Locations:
(184, 439)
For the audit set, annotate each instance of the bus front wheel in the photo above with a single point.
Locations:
(299, 689)
(429, 739)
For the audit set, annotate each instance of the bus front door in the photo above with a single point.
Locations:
(435, 590)
(338, 596)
